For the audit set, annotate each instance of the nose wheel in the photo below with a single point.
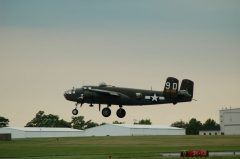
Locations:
(75, 112)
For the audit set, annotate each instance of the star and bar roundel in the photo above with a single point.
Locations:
(155, 98)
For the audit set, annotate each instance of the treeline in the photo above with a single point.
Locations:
(49, 120)
(43, 120)
(194, 126)
(3, 122)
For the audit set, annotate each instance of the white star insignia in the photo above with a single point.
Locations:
(154, 97)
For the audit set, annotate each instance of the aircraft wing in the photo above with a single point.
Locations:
(112, 93)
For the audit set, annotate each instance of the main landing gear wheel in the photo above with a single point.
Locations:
(106, 112)
(74, 111)
(121, 113)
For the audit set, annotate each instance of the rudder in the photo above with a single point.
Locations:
(188, 86)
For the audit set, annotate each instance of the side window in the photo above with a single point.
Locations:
(73, 91)
(139, 95)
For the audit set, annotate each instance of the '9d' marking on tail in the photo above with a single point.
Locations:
(174, 85)
(168, 85)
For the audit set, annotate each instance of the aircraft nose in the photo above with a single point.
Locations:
(69, 95)
(65, 95)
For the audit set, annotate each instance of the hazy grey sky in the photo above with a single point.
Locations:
(47, 47)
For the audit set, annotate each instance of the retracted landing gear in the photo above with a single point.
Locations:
(121, 112)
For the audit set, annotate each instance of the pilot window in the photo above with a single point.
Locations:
(70, 91)
(138, 95)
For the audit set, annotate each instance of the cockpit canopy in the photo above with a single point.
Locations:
(103, 84)
(71, 91)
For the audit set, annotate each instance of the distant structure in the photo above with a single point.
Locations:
(103, 130)
(209, 132)
(133, 130)
(36, 132)
(230, 121)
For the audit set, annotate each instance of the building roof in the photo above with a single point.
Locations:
(46, 129)
(229, 109)
(208, 130)
(138, 126)
(133, 126)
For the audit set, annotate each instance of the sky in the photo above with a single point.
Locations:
(47, 47)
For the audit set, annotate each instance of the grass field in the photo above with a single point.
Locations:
(117, 147)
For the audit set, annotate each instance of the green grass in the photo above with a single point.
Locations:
(118, 147)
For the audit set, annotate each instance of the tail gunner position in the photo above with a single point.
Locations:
(110, 95)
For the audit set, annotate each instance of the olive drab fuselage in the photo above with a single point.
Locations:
(111, 95)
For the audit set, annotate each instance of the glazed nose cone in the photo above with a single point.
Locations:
(66, 95)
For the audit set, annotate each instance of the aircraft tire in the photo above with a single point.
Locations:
(106, 112)
(75, 112)
(121, 113)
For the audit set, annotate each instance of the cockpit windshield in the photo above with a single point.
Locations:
(102, 84)
(71, 91)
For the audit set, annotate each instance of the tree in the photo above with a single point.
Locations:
(42, 120)
(118, 122)
(79, 123)
(63, 123)
(144, 122)
(193, 127)
(179, 124)
(210, 124)
(3, 122)
(91, 124)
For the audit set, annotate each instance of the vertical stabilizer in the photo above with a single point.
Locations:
(171, 88)
(187, 85)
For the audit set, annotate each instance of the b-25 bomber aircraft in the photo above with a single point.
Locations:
(111, 95)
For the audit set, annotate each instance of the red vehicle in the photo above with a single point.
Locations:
(195, 153)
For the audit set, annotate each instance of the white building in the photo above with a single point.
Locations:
(209, 132)
(133, 130)
(35, 132)
(230, 121)
(103, 130)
